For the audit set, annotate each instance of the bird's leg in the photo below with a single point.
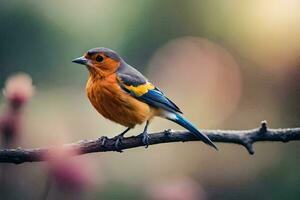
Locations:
(119, 138)
(145, 136)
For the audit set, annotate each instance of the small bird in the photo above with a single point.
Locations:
(122, 94)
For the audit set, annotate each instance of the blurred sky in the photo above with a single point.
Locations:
(227, 64)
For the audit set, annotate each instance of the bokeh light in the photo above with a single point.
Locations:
(201, 74)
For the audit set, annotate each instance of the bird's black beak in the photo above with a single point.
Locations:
(81, 60)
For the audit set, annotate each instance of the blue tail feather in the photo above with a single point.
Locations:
(189, 126)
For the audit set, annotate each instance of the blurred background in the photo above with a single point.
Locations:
(227, 64)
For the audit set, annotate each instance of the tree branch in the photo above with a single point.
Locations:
(245, 138)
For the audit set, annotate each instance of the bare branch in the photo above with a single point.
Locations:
(245, 138)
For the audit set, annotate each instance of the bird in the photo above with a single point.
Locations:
(122, 94)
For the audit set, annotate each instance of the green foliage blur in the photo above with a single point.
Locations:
(228, 64)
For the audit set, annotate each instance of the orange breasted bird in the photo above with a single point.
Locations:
(122, 94)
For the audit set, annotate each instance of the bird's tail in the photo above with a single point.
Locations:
(178, 119)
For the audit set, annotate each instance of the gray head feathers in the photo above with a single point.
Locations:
(108, 52)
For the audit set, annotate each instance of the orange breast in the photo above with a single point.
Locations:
(114, 104)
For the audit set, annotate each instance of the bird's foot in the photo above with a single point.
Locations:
(118, 142)
(145, 139)
(103, 140)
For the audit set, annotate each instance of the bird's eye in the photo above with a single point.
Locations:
(99, 58)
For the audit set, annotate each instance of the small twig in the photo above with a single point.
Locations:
(245, 138)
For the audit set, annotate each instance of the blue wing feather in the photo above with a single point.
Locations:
(157, 99)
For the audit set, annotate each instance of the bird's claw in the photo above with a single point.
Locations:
(103, 140)
(145, 139)
(118, 143)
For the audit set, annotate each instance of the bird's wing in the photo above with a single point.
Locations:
(136, 85)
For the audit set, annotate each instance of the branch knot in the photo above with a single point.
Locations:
(263, 127)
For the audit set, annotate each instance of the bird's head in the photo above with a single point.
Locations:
(100, 61)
